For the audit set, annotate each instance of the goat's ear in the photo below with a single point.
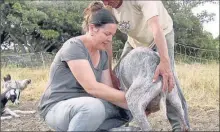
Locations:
(7, 78)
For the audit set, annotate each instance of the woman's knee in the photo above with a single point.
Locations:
(94, 109)
(85, 107)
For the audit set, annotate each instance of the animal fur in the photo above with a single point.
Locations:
(12, 92)
(135, 72)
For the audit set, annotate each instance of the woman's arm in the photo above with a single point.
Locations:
(106, 79)
(83, 73)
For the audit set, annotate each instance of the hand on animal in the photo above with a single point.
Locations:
(164, 70)
(136, 72)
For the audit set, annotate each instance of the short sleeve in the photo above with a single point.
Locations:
(105, 62)
(149, 8)
(73, 50)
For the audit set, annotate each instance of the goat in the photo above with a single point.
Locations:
(12, 92)
(135, 73)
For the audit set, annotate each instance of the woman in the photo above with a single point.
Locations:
(147, 23)
(80, 96)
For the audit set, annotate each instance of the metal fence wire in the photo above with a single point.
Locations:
(183, 53)
(27, 60)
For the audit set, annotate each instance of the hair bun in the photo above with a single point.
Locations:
(96, 13)
(95, 6)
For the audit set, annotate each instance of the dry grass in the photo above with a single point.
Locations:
(38, 76)
(200, 83)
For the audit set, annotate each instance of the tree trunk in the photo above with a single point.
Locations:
(21, 46)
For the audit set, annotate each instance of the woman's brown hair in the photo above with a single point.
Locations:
(96, 13)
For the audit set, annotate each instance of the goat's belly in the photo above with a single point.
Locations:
(154, 105)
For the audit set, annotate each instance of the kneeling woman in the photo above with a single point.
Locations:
(80, 95)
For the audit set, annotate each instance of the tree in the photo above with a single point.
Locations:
(40, 25)
(188, 27)
(35, 26)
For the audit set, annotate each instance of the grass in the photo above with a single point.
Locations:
(38, 76)
(199, 82)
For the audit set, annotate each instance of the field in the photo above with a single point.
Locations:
(200, 85)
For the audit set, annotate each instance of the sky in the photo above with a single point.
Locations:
(213, 26)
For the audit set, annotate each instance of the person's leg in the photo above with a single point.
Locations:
(127, 48)
(171, 114)
(76, 114)
(111, 123)
(115, 116)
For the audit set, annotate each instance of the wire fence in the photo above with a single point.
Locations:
(183, 54)
(189, 54)
(27, 60)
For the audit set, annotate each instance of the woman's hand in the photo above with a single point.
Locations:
(164, 70)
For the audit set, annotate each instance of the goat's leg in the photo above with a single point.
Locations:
(24, 112)
(17, 102)
(140, 117)
(5, 117)
(7, 110)
(137, 103)
(175, 101)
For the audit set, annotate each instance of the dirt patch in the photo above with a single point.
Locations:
(201, 119)
(26, 122)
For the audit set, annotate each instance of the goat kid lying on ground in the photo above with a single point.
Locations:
(12, 92)
(135, 73)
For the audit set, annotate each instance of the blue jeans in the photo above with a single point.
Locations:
(85, 114)
(171, 114)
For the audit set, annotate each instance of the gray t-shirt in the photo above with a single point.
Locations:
(62, 84)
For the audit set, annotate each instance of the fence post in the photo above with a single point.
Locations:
(42, 57)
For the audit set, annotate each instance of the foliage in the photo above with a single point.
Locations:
(35, 26)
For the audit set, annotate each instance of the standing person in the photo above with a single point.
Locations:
(80, 95)
(147, 23)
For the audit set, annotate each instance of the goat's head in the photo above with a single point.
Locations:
(9, 83)
(13, 95)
